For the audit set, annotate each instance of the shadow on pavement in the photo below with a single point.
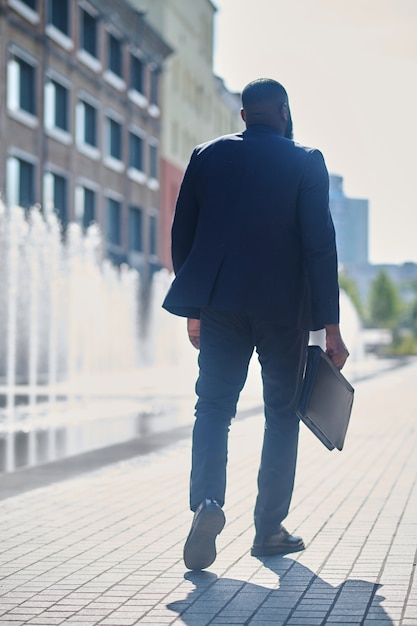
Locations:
(290, 591)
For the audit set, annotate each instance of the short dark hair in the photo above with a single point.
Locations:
(263, 90)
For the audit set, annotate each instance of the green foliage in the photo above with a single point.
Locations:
(390, 306)
(413, 315)
(410, 317)
(404, 346)
(384, 302)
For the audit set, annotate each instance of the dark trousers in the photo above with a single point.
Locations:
(227, 342)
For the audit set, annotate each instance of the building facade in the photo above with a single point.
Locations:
(351, 221)
(197, 105)
(80, 118)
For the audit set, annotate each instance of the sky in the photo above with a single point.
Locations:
(350, 70)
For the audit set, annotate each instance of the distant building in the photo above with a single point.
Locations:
(351, 221)
(80, 117)
(196, 104)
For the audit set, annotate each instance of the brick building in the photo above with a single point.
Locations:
(80, 118)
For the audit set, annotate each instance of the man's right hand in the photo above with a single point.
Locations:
(193, 328)
(335, 346)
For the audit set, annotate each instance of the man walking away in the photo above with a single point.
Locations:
(254, 255)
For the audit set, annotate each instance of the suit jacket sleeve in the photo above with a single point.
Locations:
(185, 219)
(318, 241)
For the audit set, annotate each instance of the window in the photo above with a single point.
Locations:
(90, 128)
(153, 161)
(136, 152)
(60, 200)
(26, 184)
(59, 15)
(27, 9)
(61, 106)
(87, 118)
(114, 139)
(89, 214)
(56, 105)
(113, 218)
(20, 182)
(153, 235)
(154, 86)
(85, 206)
(136, 74)
(135, 229)
(87, 198)
(55, 196)
(88, 32)
(114, 55)
(21, 85)
(137, 85)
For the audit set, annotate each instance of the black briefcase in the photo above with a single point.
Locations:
(326, 399)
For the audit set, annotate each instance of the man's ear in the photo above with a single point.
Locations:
(285, 111)
(242, 115)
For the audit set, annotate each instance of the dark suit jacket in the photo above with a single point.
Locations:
(252, 232)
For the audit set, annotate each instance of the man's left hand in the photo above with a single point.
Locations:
(335, 346)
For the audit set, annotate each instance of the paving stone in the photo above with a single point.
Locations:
(43, 620)
(106, 546)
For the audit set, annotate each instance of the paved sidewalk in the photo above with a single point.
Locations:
(106, 547)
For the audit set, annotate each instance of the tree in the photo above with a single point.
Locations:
(384, 302)
(412, 315)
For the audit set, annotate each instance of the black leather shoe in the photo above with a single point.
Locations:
(280, 543)
(200, 547)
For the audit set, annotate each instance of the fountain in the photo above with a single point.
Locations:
(66, 314)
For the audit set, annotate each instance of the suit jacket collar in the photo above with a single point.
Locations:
(262, 128)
